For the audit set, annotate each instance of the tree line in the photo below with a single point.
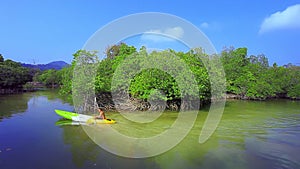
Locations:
(15, 78)
(251, 77)
(247, 77)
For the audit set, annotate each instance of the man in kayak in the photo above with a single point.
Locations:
(101, 115)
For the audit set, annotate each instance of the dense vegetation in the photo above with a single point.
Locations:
(13, 76)
(248, 77)
(50, 78)
(252, 77)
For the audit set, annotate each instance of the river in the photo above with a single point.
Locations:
(251, 134)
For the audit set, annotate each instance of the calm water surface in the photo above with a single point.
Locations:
(250, 135)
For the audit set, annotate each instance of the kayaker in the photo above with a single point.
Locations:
(101, 115)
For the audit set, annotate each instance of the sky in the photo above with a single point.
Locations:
(39, 32)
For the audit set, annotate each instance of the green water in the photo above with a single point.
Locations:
(250, 135)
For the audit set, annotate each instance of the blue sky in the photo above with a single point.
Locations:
(44, 31)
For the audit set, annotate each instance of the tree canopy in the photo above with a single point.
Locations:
(12, 74)
(249, 77)
(252, 77)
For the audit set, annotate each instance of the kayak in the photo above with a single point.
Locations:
(67, 122)
(83, 118)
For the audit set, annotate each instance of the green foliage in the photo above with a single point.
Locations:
(66, 80)
(107, 67)
(161, 71)
(293, 88)
(28, 86)
(144, 84)
(50, 78)
(104, 75)
(247, 77)
(250, 77)
(147, 82)
(197, 62)
(12, 74)
(119, 50)
(234, 62)
(83, 82)
(294, 91)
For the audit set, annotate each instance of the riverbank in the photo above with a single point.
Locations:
(129, 103)
(28, 87)
(19, 90)
(232, 96)
(11, 91)
(107, 103)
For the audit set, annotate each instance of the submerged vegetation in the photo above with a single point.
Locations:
(247, 77)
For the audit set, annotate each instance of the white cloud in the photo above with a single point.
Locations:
(204, 25)
(162, 35)
(287, 19)
(176, 32)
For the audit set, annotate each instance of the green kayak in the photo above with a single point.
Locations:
(83, 118)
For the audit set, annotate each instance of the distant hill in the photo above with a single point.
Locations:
(57, 65)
